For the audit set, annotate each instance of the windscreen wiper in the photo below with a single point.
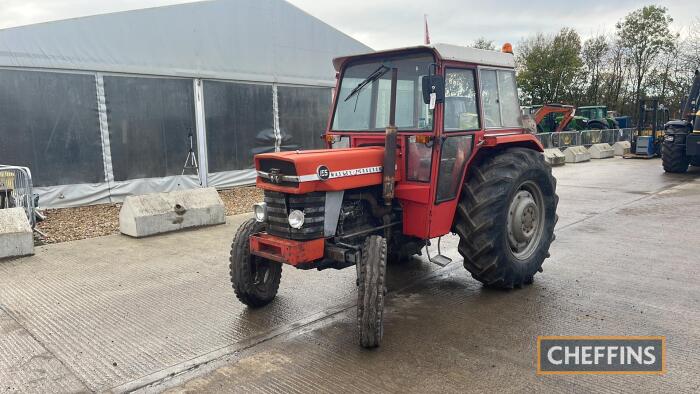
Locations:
(376, 74)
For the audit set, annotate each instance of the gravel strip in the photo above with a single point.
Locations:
(71, 224)
(241, 199)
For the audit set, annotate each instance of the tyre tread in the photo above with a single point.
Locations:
(674, 159)
(372, 283)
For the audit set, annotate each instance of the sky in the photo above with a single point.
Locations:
(385, 24)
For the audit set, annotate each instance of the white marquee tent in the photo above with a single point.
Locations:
(104, 106)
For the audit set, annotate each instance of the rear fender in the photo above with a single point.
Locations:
(491, 143)
(511, 140)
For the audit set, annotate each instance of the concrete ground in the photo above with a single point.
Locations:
(118, 314)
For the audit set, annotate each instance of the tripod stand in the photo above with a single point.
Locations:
(191, 160)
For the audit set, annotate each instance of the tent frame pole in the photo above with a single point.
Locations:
(201, 126)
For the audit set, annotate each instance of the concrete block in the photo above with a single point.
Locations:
(576, 154)
(601, 151)
(16, 235)
(554, 157)
(622, 148)
(158, 213)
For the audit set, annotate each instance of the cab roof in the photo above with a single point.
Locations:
(445, 52)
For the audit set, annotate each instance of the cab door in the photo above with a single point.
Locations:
(460, 120)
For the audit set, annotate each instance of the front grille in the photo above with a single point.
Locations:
(281, 167)
(278, 207)
(284, 167)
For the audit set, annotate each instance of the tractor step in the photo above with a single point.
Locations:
(440, 259)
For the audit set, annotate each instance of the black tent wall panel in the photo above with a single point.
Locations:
(239, 122)
(149, 123)
(303, 113)
(49, 123)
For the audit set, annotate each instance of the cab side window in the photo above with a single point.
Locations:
(508, 96)
(499, 95)
(461, 111)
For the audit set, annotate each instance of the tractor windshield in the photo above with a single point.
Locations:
(593, 113)
(365, 93)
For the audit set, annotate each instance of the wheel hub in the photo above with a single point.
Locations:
(524, 222)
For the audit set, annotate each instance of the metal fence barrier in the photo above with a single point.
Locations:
(626, 134)
(545, 139)
(16, 190)
(590, 137)
(608, 136)
(585, 138)
(564, 139)
(559, 140)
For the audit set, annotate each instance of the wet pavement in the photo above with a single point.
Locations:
(117, 314)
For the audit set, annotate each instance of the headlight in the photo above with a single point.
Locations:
(668, 138)
(260, 210)
(296, 218)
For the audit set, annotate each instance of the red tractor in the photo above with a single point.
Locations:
(422, 142)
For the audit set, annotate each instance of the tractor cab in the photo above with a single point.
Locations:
(421, 142)
(447, 99)
(593, 112)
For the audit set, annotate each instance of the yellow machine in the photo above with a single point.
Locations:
(650, 129)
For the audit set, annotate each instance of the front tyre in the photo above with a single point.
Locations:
(255, 280)
(506, 217)
(371, 275)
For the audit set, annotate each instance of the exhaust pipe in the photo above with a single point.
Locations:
(389, 176)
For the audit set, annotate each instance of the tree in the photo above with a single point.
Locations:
(594, 51)
(690, 46)
(550, 68)
(483, 43)
(644, 34)
(661, 82)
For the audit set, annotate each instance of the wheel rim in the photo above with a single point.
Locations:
(525, 220)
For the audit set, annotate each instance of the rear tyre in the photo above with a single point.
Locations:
(674, 158)
(506, 217)
(371, 275)
(255, 280)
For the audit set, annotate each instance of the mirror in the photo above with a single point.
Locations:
(433, 84)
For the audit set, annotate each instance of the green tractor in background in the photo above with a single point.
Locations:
(597, 118)
(550, 118)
